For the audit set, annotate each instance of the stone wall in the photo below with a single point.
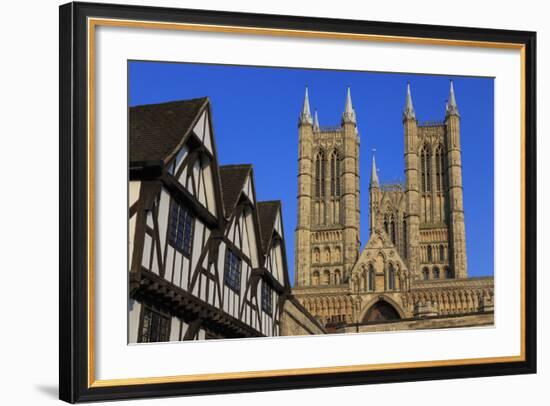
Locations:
(297, 321)
(467, 320)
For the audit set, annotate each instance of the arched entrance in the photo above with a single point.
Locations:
(381, 311)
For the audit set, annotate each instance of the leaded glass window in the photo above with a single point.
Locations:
(154, 327)
(181, 228)
(267, 298)
(232, 273)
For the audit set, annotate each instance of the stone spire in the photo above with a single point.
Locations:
(409, 113)
(305, 115)
(315, 122)
(374, 173)
(349, 112)
(452, 108)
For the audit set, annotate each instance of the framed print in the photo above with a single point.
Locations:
(259, 202)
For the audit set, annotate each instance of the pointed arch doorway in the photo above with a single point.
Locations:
(381, 311)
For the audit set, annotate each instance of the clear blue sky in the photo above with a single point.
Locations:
(255, 114)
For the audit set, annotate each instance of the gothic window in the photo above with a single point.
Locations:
(337, 255)
(319, 175)
(267, 298)
(337, 277)
(232, 271)
(334, 175)
(425, 171)
(441, 253)
(429, 253)
(155, 327)
(181, 228)
(404, 238)
(391, 277)
(338, 176)
(425, 274)
(392, 232)
(370, 278)
(449, 274)
(436, 273)
(439, 168)
(386, 225)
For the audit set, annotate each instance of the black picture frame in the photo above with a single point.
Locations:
(73, 285)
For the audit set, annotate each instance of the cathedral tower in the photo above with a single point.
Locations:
(412, 195)
(434, 208)
(454, 174)
(327, 234)
(302, 260)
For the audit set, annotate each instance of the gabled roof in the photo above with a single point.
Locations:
(156, 130)
(267, 213)
(232, 180)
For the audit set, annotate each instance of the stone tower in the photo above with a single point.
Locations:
(454, 174)
(434, 217)
(327, 232)
(412, 191)
(413, 266)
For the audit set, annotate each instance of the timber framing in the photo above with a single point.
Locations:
(188, 285)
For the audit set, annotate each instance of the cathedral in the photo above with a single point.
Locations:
(412, 273)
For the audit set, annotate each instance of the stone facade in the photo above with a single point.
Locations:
(414, 266)
(296, 320)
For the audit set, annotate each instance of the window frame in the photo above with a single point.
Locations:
(232, 283)
(185, 249)
(160, 316)
(266, 298)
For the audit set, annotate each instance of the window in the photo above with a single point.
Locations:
(425, 274)
(154, 327)
(337, 176)
(391, 278)
(425, 169)
(370, 278)
(232, 274)
(267, 298)
(439, 168)
(430, 256)
(449, 274)
(441, 253)
(436, 273)
(392, 232)
(334, 175)
(404, 238)
(181, 228)
(319, 175)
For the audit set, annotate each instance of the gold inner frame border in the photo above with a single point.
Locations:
(94, 22)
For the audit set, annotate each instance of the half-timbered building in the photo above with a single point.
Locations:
(206, 259)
